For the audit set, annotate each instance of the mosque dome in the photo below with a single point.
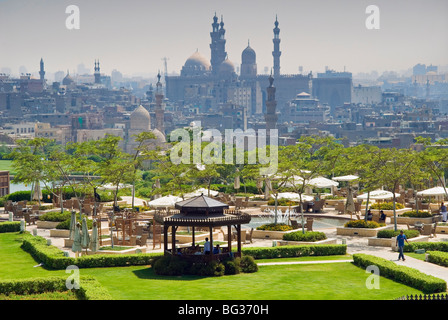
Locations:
(248, 56)
(196, 64)
(160, 137)
(226, 67)
(68, 80)
(140, 119)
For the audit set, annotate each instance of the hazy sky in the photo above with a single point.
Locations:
(133, 36)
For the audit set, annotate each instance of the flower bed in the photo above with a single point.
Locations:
(411, 217)
(272, 231)
(295, 251)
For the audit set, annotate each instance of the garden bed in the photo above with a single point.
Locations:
(130, 250)
(390, 242)
(298, 243)
(267, 234)
(411, 220)
(390, 213)
(360, 232)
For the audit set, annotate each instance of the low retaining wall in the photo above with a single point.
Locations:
(275, 235)
(46, 224)
(361, 232)
(390, 242)
(442, 229)
(411, 221)
(390, 213)
(298, 243)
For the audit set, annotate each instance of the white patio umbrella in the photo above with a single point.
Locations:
(109, 186)
(199, 192)
(436, 191)
(322, 182)
(345, 178)
(166, 201)
(294, 196)
(378, 195)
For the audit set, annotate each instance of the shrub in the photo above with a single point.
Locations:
(55, 216)
(311, 236)
(363, 224)
(65, 225)
(437, 257)
(415, 214)
(295, 251)
(428, 246)
(406, 275)
(386, 206)
(248, 264)
(275, 227)
(232, 266)
(283, 202)
(391, 233)
(10, 226)
(212, 269)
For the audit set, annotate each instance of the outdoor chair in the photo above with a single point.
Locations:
(87, 209)
(29, 219)
(141, 241)
(249, 235)
(428, 230)
(309, 224)
(358, 207)
(238, 203)
(294, 223)
(318, 205)
(340, 207)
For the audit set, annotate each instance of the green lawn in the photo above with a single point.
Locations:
(6, 165)
(342, 280)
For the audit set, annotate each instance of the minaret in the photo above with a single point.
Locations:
(160, 112)
(97, 73)
(427, 89)
(271, 105)
(42, 71)
(276, 53)
(218, 44)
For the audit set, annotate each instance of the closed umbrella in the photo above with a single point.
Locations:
(94, 240)
(350, 204)
(267, 188)
(72, 226)
(236, 184)
(37, 194)
(76, 247)
(85, 238)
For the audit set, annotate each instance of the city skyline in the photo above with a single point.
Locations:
(133, 37)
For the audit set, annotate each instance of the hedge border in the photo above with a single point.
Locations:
(53, 258)
(291, 251)
(428, 246)
(438, 257)
(9, 226)
(90, 287)
(402, 274)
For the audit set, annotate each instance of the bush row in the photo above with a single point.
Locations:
(391, 233)
(363, 224)
(53, 258)
(405, 275)
(90, 288)
(9, 226)
(176, 266)
(307, 236)
(428, 246)
(438, 257)
(56, 216)
(295, 251)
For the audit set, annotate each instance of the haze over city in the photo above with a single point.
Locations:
(133, 36)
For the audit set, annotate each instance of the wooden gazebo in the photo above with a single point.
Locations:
(202, 212)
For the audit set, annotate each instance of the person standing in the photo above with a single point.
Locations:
(401, 238)
(207, 246)
(443, 212)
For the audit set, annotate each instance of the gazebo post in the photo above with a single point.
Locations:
(211, 240)
(238, 231)
(165, 237)
(192, 235)
(229, 237)
(173, 239)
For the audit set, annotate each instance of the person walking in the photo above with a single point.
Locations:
(443, 212)
(401, 238)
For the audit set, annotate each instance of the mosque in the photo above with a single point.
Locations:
(209, 84)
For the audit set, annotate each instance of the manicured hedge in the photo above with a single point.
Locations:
(9, 226)
(386, 206)
(406, 275)
(294, 251)
(90, 288)
(363, 224)
(310, 236)
(391, 233)
(438, 257)
(415, 214)
(56, 216)
(53, 258)
(428, 246)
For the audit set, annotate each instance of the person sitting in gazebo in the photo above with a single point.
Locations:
(217, 249)
(207, 246)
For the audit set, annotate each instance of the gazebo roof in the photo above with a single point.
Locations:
(201, 204)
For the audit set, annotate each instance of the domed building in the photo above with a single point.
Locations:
(248, 62)
(68, 80)
(196, 65)
(227, 70)
(140, 121)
